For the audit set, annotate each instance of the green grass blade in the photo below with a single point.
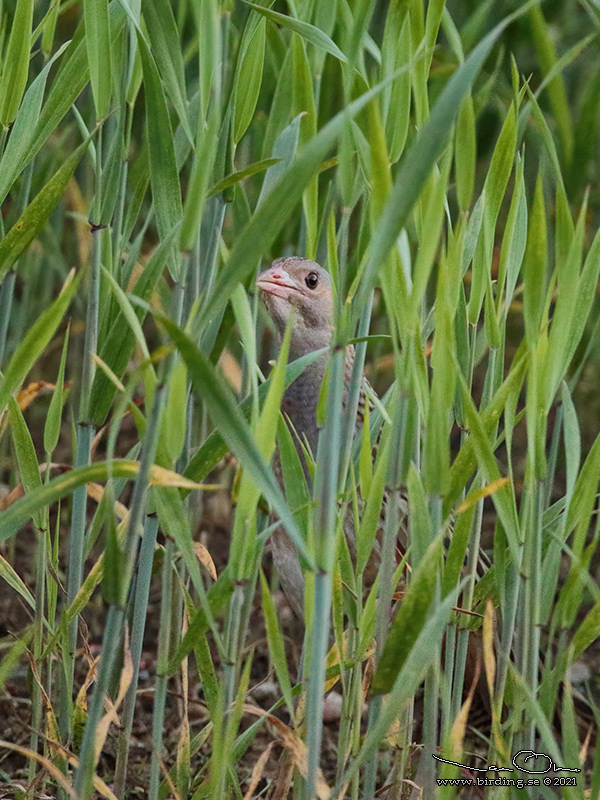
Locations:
(233, 428)
(25, 453)
(215, 446)
(242, 174)
(36, 340)
(15, 67)
(69, 83)
(410, 620)
(422, 156)
(23, 129)
(164, 43)
(309, 32)
(270, 216)
(17, 514)
(35, 216)
(164, 177)
(249, 78)
(117, 345)
(99, 52)
(556, 89)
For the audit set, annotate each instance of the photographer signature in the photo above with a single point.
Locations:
(529, 754)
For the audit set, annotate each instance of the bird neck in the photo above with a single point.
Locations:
(306, 339)
(301, 398)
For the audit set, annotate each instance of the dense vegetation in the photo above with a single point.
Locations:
(439, 159)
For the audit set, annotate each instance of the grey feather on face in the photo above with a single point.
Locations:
(299, 284)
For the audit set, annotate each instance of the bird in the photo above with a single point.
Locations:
(300, 285)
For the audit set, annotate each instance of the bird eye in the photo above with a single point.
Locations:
(311, 280)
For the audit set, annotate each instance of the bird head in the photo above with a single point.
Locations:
(300, 284)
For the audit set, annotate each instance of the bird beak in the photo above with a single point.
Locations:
(276, 281)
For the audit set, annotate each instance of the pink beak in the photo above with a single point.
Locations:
(276, 281)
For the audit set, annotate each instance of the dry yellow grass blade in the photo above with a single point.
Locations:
(482, 493)
(205, 558)
(183, 745)
(52, 733)
(99, 785)
(111, 715)
(333, 659)
(459, 726)
(26, 396)
(295, 747)
(81, 701)
(283, 782)
(159, 476)
(488, 646)
(257, 772)
(368, 673)
(50, 768)
(583, 753)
